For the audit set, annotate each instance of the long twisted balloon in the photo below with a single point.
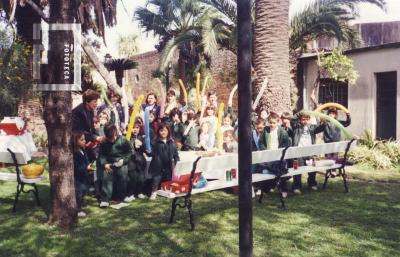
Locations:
(147, 130)
(346, 132)
(327, 105)
(185, 96)
(135, 111)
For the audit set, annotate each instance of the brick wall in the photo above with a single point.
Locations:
(223, 70)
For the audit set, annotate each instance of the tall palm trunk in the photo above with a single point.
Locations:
(58, 119)
(271, 53)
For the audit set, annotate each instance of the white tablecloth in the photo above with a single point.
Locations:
(23, 145)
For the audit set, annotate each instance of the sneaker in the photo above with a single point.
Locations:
(284, 194)
(141, 196)
(129, 199)
(153, 196)
(81, 214)
(297, 191)
(272, 190)
(104, 204)
(314, 188)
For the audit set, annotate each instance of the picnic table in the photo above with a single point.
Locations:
(214, 168)
(18, 150)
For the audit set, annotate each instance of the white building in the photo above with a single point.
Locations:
(374, 102)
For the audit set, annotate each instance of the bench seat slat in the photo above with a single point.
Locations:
(5, 176)
(256, 177)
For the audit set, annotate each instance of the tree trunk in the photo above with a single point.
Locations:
(271, 53)
(58, 119)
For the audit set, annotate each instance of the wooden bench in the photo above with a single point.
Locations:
(17, 159)
(214, 168)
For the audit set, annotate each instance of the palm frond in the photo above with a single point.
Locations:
(173, 44)
(327, 18)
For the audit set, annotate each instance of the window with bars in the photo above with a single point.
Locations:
(333, 91)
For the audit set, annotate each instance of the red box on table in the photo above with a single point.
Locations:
(181, 185)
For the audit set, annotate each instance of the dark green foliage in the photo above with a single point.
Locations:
(15, 76)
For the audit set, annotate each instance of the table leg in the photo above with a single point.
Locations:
(20, 187)
(191, 220)
(173, 209)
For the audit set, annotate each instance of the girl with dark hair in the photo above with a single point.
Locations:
(151, 102)
(176, 126)
(164, 158)
(81, 169)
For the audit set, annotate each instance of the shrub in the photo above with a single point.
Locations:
(391, 149)
(372, 157)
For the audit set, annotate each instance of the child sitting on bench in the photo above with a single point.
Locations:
(114, 155)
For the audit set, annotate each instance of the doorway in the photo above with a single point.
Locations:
(386, 106)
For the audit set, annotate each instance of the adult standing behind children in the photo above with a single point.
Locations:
(82, 119)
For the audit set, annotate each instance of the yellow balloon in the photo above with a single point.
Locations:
(219, 125)
(198, 91)
(185, 97)
(327, 105)
(135, 111)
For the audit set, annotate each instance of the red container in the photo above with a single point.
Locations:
(234, 173)
(180, 186)
(11, 129)
(295, 164)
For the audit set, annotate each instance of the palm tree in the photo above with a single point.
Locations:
(186, 26)
(327, 18)
(271, 47)
(271, 53)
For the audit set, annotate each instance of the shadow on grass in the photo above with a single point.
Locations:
(363, 222)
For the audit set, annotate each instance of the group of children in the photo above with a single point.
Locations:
(121, 164)
(286, 131)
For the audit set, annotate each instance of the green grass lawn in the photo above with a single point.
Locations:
(364, 222)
